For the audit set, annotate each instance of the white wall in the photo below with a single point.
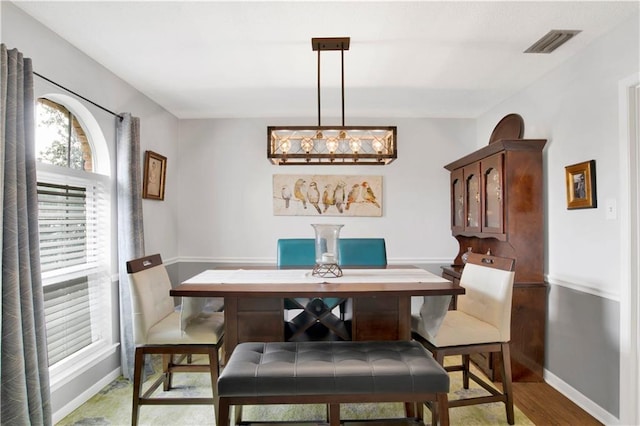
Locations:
(226, 211)
(576, 108)
(218, 207)
(59, 61)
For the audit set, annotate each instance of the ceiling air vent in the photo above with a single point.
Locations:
(551, 41)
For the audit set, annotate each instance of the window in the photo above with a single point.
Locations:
(73, 216)
(61, 140)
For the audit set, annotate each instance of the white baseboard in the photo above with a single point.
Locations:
(580, 400)
(85, 396)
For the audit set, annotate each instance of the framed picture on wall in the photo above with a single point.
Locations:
(155, 170)
(581, 185)
(327, 195)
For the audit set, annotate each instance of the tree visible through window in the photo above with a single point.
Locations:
(61, 140)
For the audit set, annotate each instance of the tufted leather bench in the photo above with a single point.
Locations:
(333, 373)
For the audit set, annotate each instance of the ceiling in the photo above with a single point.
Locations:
(208, 59)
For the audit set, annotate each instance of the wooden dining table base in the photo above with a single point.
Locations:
(261, 319)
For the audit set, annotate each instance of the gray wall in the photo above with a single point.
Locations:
(583, 345)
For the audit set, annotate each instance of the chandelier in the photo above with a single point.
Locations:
(331, 145)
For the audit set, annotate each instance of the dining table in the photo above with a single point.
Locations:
(255, 299)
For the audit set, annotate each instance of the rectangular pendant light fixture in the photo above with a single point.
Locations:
(331, 145)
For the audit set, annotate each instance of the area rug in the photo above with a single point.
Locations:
(112, 406)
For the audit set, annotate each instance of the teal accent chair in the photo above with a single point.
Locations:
(300, 252)
(365, 252)
(296, 252)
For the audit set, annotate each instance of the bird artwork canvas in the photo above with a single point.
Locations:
(327, 195)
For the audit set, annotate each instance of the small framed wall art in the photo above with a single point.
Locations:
(155, 170)
(581, 185)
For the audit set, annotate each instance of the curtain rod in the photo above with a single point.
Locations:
(78, 95)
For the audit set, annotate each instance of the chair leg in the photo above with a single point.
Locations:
(505, 354)
(237, 414)
(465, 371)
(409, 409)
(137, 385)
(167, 361)
(213, 366)
(439, 357)
(420, 411)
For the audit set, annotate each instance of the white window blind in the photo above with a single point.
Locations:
(72, 255)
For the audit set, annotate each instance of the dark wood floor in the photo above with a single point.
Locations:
(544, 405)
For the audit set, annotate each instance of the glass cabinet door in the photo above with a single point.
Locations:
(457, 201)
(472, 197)
(492, 194)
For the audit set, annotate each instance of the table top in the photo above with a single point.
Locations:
(270, 282)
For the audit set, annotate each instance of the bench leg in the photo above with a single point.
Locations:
(223, 412)
(334, 414)
(442, 417)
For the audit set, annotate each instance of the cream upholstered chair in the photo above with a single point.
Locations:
(481, 324)
(159, 329)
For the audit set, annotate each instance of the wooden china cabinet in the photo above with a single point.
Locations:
(497, 205)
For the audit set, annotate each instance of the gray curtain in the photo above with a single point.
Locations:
(24, 372)
(130, 229)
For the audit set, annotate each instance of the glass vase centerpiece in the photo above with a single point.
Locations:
(327, 255)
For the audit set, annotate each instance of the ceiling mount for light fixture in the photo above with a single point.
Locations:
(331, 145)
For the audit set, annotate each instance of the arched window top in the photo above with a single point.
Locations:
(61, 139)
(67, 135)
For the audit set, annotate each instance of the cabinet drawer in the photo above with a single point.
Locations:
(260, 327)
(253, 304)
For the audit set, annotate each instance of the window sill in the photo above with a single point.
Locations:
(74, 366)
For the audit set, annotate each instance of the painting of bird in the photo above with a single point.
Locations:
(338, 195)
(313, 195)
(299, 190)
(286, 195)
(327, 197)
(368, 194)
(353, 195)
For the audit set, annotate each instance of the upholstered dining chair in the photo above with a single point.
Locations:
(362, 252)
(296, 252)
(159, 329)
(481, 324)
